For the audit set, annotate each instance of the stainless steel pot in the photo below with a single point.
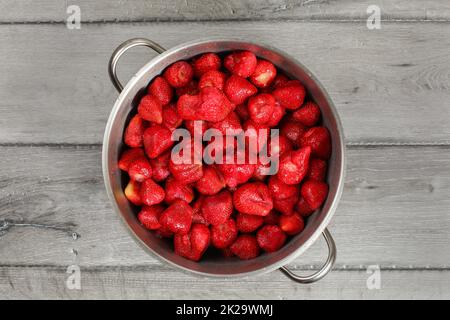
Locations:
(216, 266)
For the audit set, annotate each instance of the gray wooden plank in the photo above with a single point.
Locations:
(390, 85)
(163, 283)
(126, 10)
(394, 210)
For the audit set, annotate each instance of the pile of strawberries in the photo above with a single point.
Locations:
(230, 207)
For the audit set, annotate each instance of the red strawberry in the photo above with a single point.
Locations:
(245, 247)
(286, 206)
(280, 190)
(253, 198)
(314, 193)
(171, 120)
(279, 148)
(261, 108)
(294, 165)
(212, 78)
(132, 192)
(190, 126)
(178, 217)
(242, 63)
(129, 156)
(187, 168)
(280, 80)
(133, 133)
(242, 112)
(218, 208)
(193, 244)
(191, 89)
(223, 235)
(140, 170)
(272, 218)
(290, 95)
(186, 173)
(303, 208)
(293, 131)
(210, 105)
(248, 223)
(277, 114)
(151, 193)
(308, 114)
(292, 225)
(215, 105)
(150, 109)
(318, 138)
(176, 190)
(211, 182)
(206, 62)
(231, 122)
(163, 232)
(161, 89)
(265, 72)
(157, 139)
(260, 173)
(256, 135)
(225, 147)
(217, 147)
(197, 211)
(238, 89)
(149, 216)
(160, 166)
(179, 74)
(317, 169)
(270, 238)
(188, 106)
(236, 174)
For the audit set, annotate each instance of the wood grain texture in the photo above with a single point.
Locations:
(394, 210)
(389, 86)
(163, 283)
(142, 10)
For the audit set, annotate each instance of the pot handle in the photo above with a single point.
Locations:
(136, 42)
(325, 268)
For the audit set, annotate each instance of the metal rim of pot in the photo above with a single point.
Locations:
(112, 145)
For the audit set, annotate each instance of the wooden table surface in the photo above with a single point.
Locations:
(391, 87)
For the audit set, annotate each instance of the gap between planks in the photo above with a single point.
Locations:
(311, 19)
(349, 145)
(162, 267)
